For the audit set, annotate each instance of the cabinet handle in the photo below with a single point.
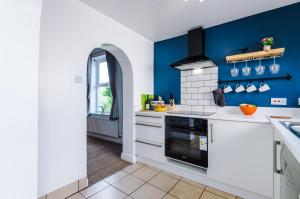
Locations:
(211, 133)
(148, 143)
(152, 116)
(276, 155)
(151, 125)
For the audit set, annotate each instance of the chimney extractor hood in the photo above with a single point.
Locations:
(196, 52)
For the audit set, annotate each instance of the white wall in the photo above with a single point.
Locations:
(19, 48)
(69, 32)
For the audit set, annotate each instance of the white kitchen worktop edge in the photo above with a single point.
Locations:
(290, 139)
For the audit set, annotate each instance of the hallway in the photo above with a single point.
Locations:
(104, 159)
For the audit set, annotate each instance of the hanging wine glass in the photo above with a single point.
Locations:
(246, 70)
(234, 71)
(274, 68)
(260, 69)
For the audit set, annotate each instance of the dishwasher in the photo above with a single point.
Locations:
(290, 175)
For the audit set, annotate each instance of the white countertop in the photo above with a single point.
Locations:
(261, 116)
(289, 139)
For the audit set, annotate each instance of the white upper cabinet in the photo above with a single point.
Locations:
(241, 154)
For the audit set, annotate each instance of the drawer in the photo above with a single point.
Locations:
(149, 150)
(151, 132)
(154, 119)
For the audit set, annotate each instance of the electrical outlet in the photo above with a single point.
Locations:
(279, 101)
(299, 105)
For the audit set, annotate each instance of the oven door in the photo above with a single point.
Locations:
(188, 145)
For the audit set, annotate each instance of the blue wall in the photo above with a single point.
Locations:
(222, 40)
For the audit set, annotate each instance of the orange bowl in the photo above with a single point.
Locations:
(248, 109)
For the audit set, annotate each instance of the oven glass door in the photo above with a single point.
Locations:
(187, 145)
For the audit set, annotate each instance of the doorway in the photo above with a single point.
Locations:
(105, 115)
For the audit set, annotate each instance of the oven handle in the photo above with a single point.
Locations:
(181, 127)
(148, 143)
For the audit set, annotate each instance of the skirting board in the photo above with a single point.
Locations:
(128, 157)
(67, 190)
(192, 173)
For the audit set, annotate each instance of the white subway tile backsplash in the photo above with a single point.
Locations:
(191, 90)
(194, 96)
(186, 84)
(186, 73)
(204, 102)
(198, 84)
(213, 76)
(208, 96)
(204, 77)
(191, 102)
(204, 90)
(186, 96)
(200, 95)
(213, 70)
(196, 88)
(192, 78)
(211, 83)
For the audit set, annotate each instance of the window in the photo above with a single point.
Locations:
(103, 97)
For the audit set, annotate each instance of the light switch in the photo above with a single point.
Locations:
(279, 101)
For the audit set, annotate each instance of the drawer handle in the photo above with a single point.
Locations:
(148, 143)
(151, 125)
(277, 145)
(152, 116)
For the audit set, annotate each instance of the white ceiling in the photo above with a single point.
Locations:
(162, 19)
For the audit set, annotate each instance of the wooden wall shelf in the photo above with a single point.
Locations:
(255, 55)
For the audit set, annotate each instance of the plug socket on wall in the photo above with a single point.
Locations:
(279, 101)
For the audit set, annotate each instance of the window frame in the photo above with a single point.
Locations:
(100, 85)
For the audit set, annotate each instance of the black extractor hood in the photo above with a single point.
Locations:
(196, 52)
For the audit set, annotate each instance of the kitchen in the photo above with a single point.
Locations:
(210, 103)
(242, 154)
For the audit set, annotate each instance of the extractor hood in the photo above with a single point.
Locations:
(196, 52)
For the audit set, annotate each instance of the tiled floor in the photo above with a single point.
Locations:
(139, 181)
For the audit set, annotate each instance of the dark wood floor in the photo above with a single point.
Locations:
(104, 159)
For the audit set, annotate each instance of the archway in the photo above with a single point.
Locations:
(127, 98)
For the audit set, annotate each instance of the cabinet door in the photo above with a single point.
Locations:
(241, 154)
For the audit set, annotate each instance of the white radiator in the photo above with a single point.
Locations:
(103, 126)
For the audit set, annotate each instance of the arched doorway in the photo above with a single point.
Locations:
(108, 160)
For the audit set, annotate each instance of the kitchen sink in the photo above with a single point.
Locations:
(294, 127)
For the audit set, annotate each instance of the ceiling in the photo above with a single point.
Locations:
(162, 19)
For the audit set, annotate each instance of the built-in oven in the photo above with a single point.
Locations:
(186, 140)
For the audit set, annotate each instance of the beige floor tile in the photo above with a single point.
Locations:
(133, 167)
(168, 196)
(208, 195)
(238, 197)
(128, 197)
(148, 191)
(115, 177)
(172, 175)
(76, 196)
(197, 184)
(144, 173)
(154, 168)
(42, 197)
(109, 193)
(184, 190)
(128, 184)
(163, 181)
(220, 193)
(99, 186)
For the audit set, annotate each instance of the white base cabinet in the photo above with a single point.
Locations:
(241, 154)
